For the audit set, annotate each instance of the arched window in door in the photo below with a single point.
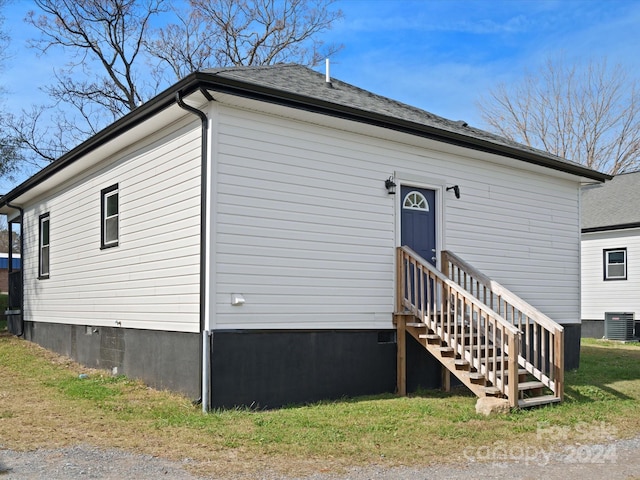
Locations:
(415, 201)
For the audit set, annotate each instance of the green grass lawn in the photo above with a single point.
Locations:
(42, 390)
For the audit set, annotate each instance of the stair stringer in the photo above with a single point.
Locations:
(449, 362)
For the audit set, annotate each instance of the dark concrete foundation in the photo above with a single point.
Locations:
(596, 329)
(164, 360)
(261, 369)
(269, 369)
(571, 346)
(424, 371)
(593, 328)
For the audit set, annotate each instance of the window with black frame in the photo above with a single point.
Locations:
(615, 264)
(110, 211)
(44, 246)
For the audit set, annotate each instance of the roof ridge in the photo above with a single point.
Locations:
(300, 86)
(387, 104)
(235, 68)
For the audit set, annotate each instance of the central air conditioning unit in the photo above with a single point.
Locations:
(619, 326)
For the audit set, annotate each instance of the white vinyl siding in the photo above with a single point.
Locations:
(302, 227)
(522, 230)
(151, 281)
(599, 295)
(306, 230)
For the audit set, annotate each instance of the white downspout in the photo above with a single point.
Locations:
(207, 333)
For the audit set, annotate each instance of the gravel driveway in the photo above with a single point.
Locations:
(614, 460)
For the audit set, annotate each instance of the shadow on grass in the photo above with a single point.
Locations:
(602, 366)
(456, 392)
(433, 394)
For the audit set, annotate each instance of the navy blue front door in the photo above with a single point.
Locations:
(418, 221)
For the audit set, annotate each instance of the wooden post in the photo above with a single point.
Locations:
(401, 343)
(400, 279)
(513, 369)
(558, 363)
(446, 379)
(401, 327)
(444, 268)
(444, 263)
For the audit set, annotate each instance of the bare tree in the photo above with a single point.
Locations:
(110, 46)
(246, 32)
(96, 33)
(4, 38)
(9, 155)
(46, 143)
(9, 152)
(7, 237)
(103, 79)
(590, 115)
(4, 235)
(184, 46)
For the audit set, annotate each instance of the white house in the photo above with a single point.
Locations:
(611, 258)
(235, 237)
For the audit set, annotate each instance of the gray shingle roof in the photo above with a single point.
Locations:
(613, 204)
(301, 87)
(303, 81)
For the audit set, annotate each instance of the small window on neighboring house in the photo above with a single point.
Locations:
(110, 217)
(43, 257)
(615, 264)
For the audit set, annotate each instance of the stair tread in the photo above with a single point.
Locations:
(457, 334)
(491, 390)
(484, 361)
(429, 336)
(498, 358)
(534, 401)
(530, 385)
(521, 371)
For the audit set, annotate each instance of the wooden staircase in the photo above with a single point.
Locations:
(488, 338)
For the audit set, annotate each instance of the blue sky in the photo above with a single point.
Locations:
(439, 55)
(442, 55)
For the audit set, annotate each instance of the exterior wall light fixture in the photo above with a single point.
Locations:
(390, 185)
(456, 190)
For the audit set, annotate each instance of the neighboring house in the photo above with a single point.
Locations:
(4, 270)
(235, 237)
(611, 257)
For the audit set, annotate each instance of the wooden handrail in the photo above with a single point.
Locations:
(542, 349)
(499, 290)
(454, 286)
(476, 333)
